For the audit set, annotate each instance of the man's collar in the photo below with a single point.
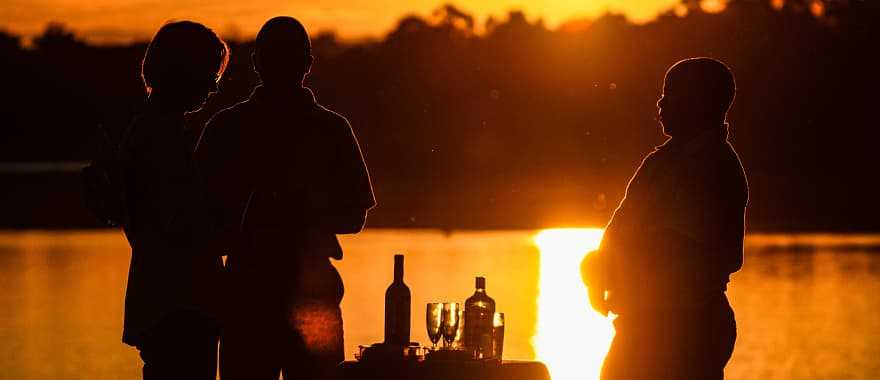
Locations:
(696, 143)
(297, 97)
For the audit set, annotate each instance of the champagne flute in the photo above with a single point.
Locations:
(450, 320)
(497, 336)
(434, 322)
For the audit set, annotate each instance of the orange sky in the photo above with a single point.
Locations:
(124, 19)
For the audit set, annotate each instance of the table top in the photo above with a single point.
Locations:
(444, 370)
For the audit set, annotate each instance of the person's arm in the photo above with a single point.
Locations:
(704, 239)
(729, 207)
(342, 208)
(221, 171)
(176, 204)
(596, 267)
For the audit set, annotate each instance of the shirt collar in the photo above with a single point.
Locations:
(697, 143)
(296, 98)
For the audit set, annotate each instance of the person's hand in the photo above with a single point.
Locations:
(593, 274)
(597, 300)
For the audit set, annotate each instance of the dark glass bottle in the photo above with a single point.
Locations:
(479, 310)
(397, 307)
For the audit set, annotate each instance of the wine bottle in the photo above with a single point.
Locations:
(397, 307)
(479, 310)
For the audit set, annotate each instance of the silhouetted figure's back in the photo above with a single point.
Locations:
(676, 237)
(288, 176)
(171, 308)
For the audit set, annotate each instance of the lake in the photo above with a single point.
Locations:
(807, 306)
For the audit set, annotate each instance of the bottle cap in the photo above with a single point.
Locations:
(481, 283)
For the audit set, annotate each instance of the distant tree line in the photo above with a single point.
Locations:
(519, 125)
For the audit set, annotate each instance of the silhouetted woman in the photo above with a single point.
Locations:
(174, 277)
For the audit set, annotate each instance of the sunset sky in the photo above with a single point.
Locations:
(103, 20)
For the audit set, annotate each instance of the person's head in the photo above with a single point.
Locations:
(283, 53)
(697, 92)
(183, 64)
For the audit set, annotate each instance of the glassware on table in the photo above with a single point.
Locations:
(458, 344)
(414, 352)
(359, 354)
(434, 323)
(450, 319)
(497, 336)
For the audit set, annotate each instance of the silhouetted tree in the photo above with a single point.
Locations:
(57, 39)
(451, 16)
(9, 43)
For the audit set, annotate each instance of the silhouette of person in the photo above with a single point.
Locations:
(672, 243)
(289, 176)
(171, 313)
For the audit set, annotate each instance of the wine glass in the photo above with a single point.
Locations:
(497, 336)
(450, 320)
(434, 322)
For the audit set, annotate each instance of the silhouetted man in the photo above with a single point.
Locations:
(287, 175)
(676, 237)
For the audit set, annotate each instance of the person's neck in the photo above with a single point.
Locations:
(283, 88)
(685, 137)
(681, 139)
(163, 105)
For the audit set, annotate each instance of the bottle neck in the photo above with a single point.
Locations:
(480, 285)
(398, 268)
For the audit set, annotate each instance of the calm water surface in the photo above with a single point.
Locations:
(807, 306)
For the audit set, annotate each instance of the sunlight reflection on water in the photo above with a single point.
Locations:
(571, 339)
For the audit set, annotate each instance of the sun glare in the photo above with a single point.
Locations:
(571, 338)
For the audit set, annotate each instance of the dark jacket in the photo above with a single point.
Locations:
(287, 176)
(678, 233)
(172, 267)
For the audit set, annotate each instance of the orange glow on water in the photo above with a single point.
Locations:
(571, 338)
(63, 300)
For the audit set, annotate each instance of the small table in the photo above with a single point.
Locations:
(444, 370)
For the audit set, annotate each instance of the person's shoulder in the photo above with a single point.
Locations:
(332, 119)
(231, 113)
(228, 120)
(729, 158)
(150, 131)
(652, 156)
(729, 165)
